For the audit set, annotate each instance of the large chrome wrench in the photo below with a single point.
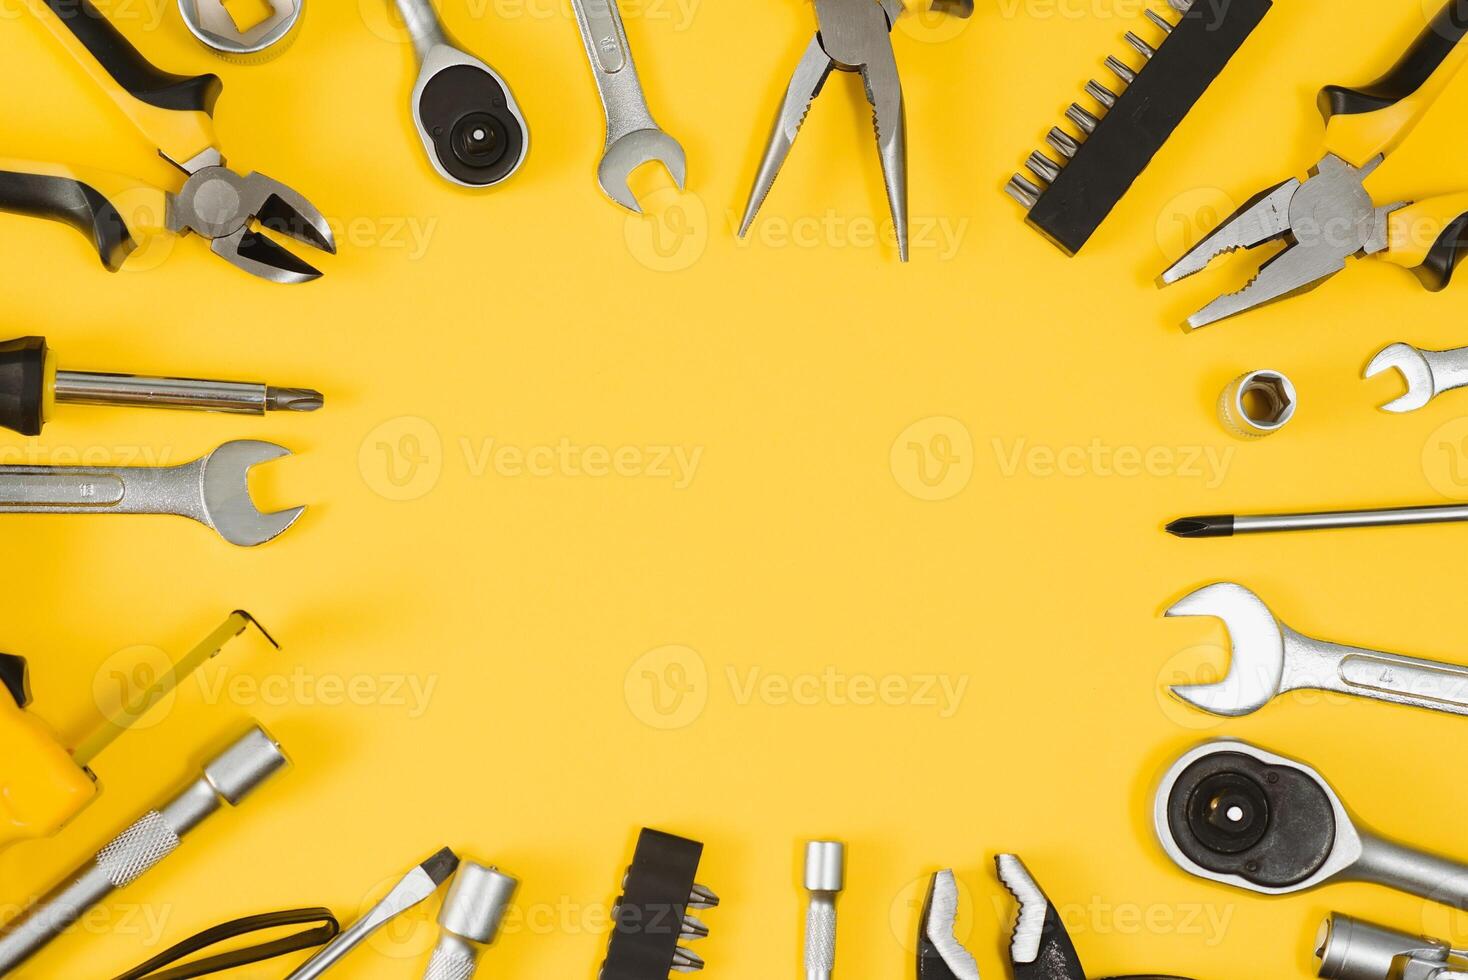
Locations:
(213, 491)
(633, 138)
(1268, 658)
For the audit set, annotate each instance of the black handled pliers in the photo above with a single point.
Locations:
(174, 112)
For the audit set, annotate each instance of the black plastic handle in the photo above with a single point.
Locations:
(22, 400)
(127, 65)
(1409, 74)
(77, 204)
(1442, 259)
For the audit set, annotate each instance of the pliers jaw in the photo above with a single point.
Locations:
(228, 209)
(1040, 948)
(940, 955)
(1324, 221)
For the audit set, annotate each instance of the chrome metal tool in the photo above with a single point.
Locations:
(228, 779)
(417, 886)
(31, 384)
(1235, 814)
(469, 920)
(1040, 947)
(1428, 373)
(825, 878)
(940, 955)
(1228, 525)
(1331, 217)
(466, 115)
(632, 138)
(213, 490)
(1268, 658)
(1349, 949)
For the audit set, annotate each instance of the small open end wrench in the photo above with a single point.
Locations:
(1269, 658)
(633, 138)
(213, 490)
(1428, 373)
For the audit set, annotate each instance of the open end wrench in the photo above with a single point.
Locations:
(1428, 373)
(213, 490)
(1269, 658)
(633, 138)
(1235, 814)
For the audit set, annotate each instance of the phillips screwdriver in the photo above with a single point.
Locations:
(1228, 525)
(42, 785)
(31, 386)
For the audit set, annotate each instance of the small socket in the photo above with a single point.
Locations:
(1257, 404)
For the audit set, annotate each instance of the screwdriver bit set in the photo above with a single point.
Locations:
(652, 918)
(1086, 172)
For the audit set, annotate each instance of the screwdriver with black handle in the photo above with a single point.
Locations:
(31, 386)
(44, 783)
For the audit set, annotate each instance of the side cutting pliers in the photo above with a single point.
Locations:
(852, 36)
(119, 214)
(1331, 216)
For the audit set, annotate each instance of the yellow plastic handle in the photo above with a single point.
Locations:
(41, 788)
(118, 214)
(1429, 237)
(172, 111)
(1364, 123)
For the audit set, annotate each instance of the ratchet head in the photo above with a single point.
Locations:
(225, 494)
(1257, 657)
(1415, 369)
(631, 151)
(232, 211)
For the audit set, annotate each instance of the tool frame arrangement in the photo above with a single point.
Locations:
(1226, 811)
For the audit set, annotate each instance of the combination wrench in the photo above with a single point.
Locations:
(1268, 658)
(213, 490)
(633, 138)
(1428, 373)
(1235, 814)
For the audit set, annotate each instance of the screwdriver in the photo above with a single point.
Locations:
(30, 386)
(1228, 525)
(42, 785)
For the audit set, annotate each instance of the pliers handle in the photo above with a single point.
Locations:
(1364, 124)
(118, 214)
(175, 112)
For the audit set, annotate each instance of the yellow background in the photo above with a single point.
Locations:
(539, 313)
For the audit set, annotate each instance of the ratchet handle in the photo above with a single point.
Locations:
(175, 111)
(1415, 872)
(1364, 123)
(1429, 238)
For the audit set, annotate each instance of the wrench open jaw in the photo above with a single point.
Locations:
(1268, 658)
(1257, 659)
(626, 153)
(224, 492)
(1428, 373)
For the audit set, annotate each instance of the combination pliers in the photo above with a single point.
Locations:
(1040, 948)
(1331, 217)
(851, 36)
(175, 112)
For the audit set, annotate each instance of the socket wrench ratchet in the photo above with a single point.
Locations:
(633, 138)
(1269, 658)
(1236, 814)
(213, 490)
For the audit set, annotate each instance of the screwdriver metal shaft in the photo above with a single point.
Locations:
(133, 391)
(1227, 525)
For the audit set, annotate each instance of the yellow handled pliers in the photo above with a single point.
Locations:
(175, 112)
(1331, 217)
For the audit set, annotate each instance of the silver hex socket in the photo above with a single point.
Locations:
(469, 920)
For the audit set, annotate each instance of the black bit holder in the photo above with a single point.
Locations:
(651, 917)
(1067, 199)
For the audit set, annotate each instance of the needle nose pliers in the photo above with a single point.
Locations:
(1331, 217)
(175, 112)
(852, 36)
